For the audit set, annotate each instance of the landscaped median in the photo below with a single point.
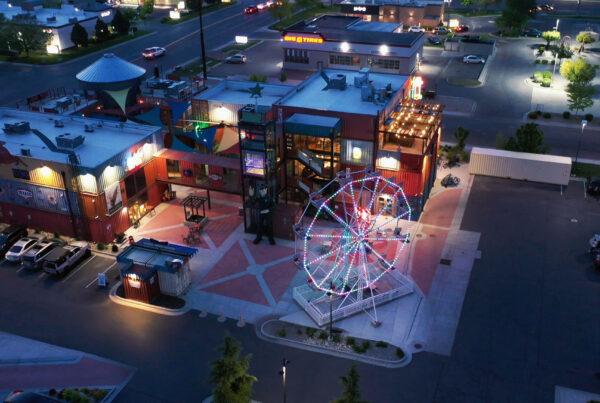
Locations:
(340, 345)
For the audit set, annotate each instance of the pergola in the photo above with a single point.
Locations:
(191, 208)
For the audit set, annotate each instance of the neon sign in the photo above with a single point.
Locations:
(303, 39)
(360, 8)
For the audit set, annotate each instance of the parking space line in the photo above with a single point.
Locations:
(96, 279)
(42, 274)
(20, 269)
(79, 268)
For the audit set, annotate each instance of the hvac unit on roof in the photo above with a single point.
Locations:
(88, 128)
(16, 128)
(58, 123)
(51, 19)
(25, 152)
(69, 141)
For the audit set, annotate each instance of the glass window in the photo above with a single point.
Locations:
(135, 183)
(390, 64)
(346, 60)
(173, 169)
(21, 174)
(357, 152)
(254, 163)
(296, 56)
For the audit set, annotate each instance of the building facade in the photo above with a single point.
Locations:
(79, 177)
(425, 13)
(345, 42)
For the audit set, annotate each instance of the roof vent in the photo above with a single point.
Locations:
(337, 82)
(16, 128)
(25, 152)
(69, 141)
(59, 123)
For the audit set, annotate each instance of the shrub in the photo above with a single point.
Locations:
(546, 82)
(101, 246)
(336, 338)
(547, 75)
(538, 76)
(399, 353)
(547, 115)
(552, 61)
(323, 336)
(57, 235)
(532, 115)
(541, 50)
(537, 61)
(282, 332)
(115, 248)
(544, 61)
(566, 115)
(589, 117)
(381, 344)
(310, 332)
(258, 78)
(120, 237)
(299, 332)
(350, 341)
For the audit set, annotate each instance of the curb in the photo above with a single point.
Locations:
(143, 306)
(261, 334)
(34, 361)
(544, 122)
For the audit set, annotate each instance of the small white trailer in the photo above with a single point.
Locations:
(543, 168)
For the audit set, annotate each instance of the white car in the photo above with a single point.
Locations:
(63, 258)
(153, 52)
(262, 6)
(473, 59)
(416, 28)
(236, 59)
(17, 251)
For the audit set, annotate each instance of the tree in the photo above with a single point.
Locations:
(529, 139)
(229, 375)
(466, 3)
(578, 71)
(26, 38)
(147, 8)
(551, 36)
(461, 135)
(580, 96)
(351, 392)
(101, 31)
(511, 20)
(79, 35)
(306, 4)
(281, 11)
(120, 23)
(585, 38)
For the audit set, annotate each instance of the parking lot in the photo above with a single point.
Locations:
(459, 73)
(82, 278)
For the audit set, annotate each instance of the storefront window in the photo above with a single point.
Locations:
(346, 60)
(138, 208)
(296, 56)
(357, 152)
(173, 169)
(21, 174)
(390, 64)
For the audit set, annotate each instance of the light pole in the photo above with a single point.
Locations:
(583, 125)
(330, 295)
(202, 47)
(283, 373)
(557, 21)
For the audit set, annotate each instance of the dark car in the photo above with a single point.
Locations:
(251, 10)
(461, 29)
(593, 186)
(434, 40)
(532, 33)
(9, 236)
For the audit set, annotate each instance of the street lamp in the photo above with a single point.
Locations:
(330, 295)
(583, 125)
(283, 373)
(202, 47)
(556, 27)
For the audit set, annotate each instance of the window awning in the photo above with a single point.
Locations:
(313, 125)
(199, 158)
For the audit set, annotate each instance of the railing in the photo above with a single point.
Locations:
(312, 161)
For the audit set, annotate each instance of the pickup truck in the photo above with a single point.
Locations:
(34, 257)
(64, 258)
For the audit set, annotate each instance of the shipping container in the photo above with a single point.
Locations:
(521, 166)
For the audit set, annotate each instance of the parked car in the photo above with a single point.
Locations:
(9, 236)
(542, 8)
(461, 29)
(434, 40)
(532, 33)
(593, 186)
(236, 59)
(16, 251)
(64, 258)
(473, 59)
(416, 28)
(153, 52)
(441, 31)
(251, 10)
(19, 396)
(34, 257)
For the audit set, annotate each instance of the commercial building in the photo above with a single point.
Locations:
(425, 13)
(57, 21)
(335, 41)
(79, 177)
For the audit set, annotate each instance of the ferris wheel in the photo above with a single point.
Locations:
(351, 238)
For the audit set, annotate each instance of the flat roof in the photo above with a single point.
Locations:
(312, 94)
(558, 159)
(108, 139)
(313, 120)
(238, 92)
(60, 16)
(375, 26)
(341, 28)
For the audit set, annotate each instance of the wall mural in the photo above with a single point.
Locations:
(114, 199)
(43, 198)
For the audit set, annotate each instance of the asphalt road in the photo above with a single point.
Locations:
(182, 42)
(529, 321)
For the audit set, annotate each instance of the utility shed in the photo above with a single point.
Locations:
(542, 168)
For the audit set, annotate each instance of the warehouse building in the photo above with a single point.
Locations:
(346, 42)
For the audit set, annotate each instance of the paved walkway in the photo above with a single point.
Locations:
(30, 364)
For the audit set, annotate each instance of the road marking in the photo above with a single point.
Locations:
(79, 268)
(96, 279)
(42, 274)
(21, 269)
(168, 45)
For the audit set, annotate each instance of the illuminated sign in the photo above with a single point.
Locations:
(105, 13)
(360, 8)
(303, 38)
(136, 159)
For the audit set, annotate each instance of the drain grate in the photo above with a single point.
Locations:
(446, 262)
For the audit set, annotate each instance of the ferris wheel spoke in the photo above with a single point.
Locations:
(379, 256)
(338, 219)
